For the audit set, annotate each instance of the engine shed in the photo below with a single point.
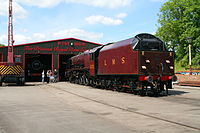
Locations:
(47, 55)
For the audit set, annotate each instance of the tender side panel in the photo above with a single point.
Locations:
(121, 60)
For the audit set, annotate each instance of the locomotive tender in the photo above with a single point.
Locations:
(141, 64)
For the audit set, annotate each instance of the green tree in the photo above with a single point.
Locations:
(1, 45)
(178, 20)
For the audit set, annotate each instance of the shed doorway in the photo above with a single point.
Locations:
(35, 64)
(63, 65)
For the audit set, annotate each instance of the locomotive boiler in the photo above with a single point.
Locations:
(141, 64)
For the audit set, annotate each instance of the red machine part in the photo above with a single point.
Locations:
(10, 34)
(147, 78)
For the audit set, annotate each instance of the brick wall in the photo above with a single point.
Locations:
(186, 78)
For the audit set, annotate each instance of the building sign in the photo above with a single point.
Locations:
(71, 43)
(58, 49)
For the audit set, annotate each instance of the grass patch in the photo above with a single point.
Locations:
(178, 67)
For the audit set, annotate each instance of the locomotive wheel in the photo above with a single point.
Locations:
(22, 81)
(86, 80)
(131, 90)
(116, 88)
(157, 90)
(109, 85)
(142, 92)
(156, 93)
(71, 79)
(1, 81)
(167, 93)
(76, 81)
(18, 81)
(98, 83)
(80, 80)
(103, 84)
(92, 83)
(120, 89)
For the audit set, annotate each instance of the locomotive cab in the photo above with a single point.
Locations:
(148, 43)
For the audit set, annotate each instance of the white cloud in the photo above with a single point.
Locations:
(19, 38)
(3, 39)
(36, 37)
(96, 3)
(28, 38)
(4, 6)
(121, 15)
(103, 3)
(103, 20)
(18, 11)
(41, 3)
(78, 33)
(39, 36)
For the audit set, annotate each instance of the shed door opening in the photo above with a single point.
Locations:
(63, 65)
(35, 64)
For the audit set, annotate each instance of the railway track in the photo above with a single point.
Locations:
(128, 110)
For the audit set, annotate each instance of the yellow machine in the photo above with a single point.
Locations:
(12, 70)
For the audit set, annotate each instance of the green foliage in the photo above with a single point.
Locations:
(1, 45)
(178, 67)
(178, 20)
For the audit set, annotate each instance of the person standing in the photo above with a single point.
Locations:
(55, 73)
(51, 76)
(43, 75)
(48, 76)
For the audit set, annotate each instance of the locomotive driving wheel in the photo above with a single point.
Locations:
(143, 91)
(157, 89)
(85, 80)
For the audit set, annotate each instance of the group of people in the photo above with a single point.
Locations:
(50, 76)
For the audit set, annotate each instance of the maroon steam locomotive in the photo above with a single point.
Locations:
(140, 64)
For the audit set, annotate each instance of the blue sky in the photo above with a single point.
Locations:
(100, 21)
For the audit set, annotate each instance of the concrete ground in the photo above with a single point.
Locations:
(69, 108)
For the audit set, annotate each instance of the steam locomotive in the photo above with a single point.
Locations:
(141, 64)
